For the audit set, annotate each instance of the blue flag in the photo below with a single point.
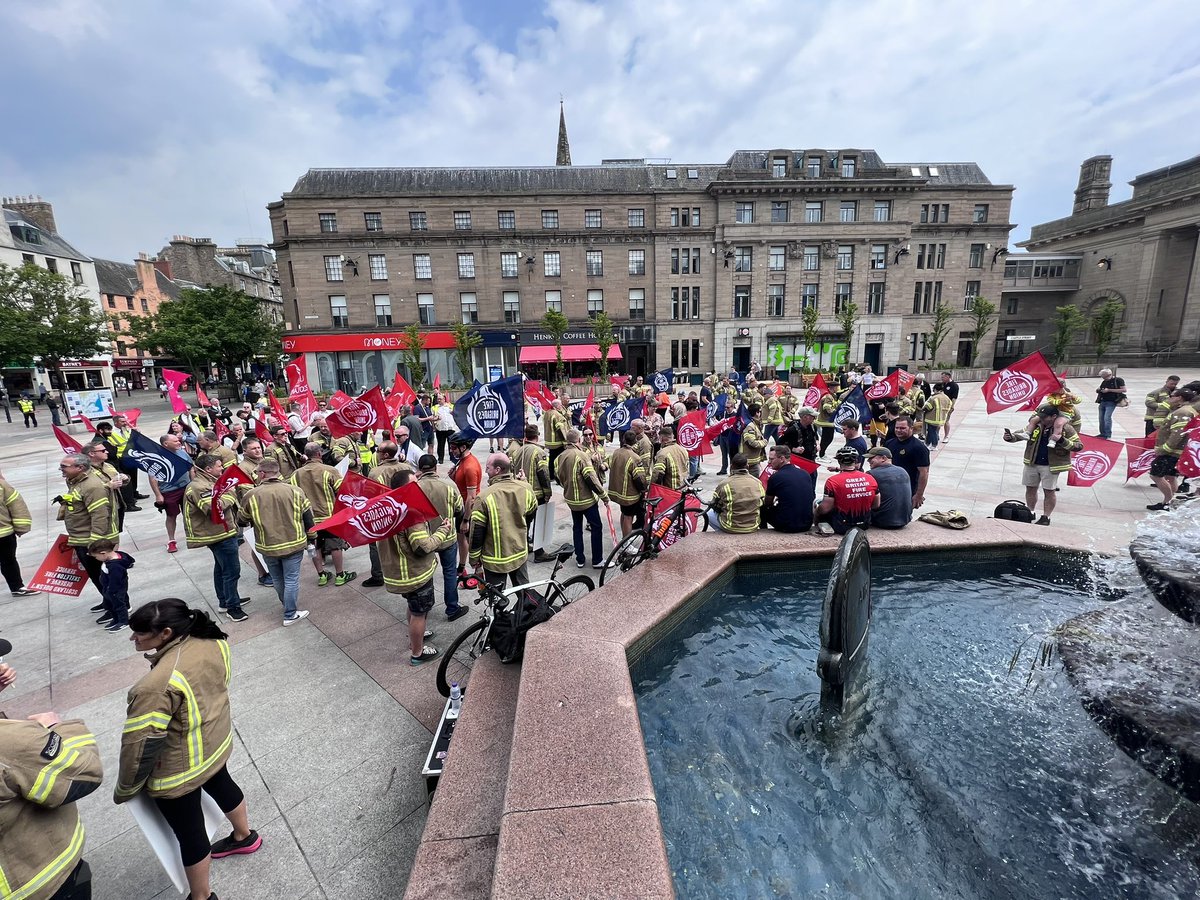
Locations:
(492, 410)
(716, 407)
(618, 415)
(155, 460)
(663, 381)
(853, 406)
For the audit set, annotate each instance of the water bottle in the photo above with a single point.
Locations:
(455, 699)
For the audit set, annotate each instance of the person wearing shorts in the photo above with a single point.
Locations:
(168, 498)
(1043, 463)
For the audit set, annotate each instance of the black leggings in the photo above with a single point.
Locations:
(826, 439)
(9, 567)
(186, 818)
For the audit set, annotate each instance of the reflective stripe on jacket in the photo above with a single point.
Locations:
(580, 483)
(87, 511)
(198, 527)
(627, 479)
(276, 510)
(499, 524)
(738, 501)
(14, 514)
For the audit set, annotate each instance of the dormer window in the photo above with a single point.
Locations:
(849, 165)
(671, 173)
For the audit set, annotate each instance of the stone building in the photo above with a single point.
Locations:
(1140, 252)
(701, 266)
(129, 290)
(248, 267)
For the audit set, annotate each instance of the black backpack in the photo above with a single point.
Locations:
(1013, 511)
(510, 626)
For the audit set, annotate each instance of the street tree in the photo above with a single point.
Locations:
(602, 325)
(557, 325)
(1106, 325)
(939, 330)
(847, 317)
(1068, 322)
(983, 316)
(414, 348)
(47, 317)
(465, 342)
(809, 319)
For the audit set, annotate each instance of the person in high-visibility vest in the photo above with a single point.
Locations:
(27, 410)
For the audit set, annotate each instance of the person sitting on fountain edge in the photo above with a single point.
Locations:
(850, 496)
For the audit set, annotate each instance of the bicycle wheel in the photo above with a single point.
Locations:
(703, 517)
(570, 590)
(476, 638)
(631, 550)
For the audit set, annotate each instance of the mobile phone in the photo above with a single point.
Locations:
(1008, 432)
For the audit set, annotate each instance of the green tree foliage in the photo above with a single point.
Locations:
(465, 341)
(1068, 322)
(983, 316)
(602, 325)
(48, 317)
(1106, 325)
(939, 330)
(414, 348)
(557, 325)
(808, 331)
(847, 317)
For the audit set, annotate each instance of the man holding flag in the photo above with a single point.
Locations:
(169, 468)
(207, 522)
(281, 517)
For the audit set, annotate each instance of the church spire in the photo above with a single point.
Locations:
(564, 146)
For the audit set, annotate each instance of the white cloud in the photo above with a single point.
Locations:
(140, 120)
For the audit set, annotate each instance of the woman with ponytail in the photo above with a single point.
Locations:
(178, 734)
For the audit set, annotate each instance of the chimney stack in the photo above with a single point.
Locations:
(1094, 184)
(38, 211)
(164, 266)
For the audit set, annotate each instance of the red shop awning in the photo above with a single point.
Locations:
(571, 353)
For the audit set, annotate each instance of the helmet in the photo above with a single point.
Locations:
(847, 455)
(460, 439)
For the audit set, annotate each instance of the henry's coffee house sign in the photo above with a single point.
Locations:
(531, 337)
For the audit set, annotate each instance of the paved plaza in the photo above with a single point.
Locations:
(331, 724)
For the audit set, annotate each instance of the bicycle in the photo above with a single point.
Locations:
(476, 638)
(656, 535)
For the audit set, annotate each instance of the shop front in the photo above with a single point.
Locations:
(580, 355)
(138, 373)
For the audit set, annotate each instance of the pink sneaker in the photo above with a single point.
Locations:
(171, 547)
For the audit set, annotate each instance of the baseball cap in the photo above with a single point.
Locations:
(807, 411)
(1047, 409)
(880, 451)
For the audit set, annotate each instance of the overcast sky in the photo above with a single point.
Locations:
(140, 119)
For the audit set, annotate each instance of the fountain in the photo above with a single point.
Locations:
(845, 621)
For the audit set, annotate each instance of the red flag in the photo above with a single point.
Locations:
(1189, 460)
(298, 389)
(719, 427)
(381, 517)
(1094, 461)
(68, 443)
(87, 423)
(690, 435)
(277, 409)
(338, 399)
(229, 479)
(365, 412)
(402, 389)
(220, 430)
(817, 390)
(260, 430)
(806, 464)
(1139, 455)
(202, 398)
(1025, 381)
(618, 381)
(692, 509)
(355, 491)
(437, 381)
(174, 379)
(780, 387)
(61, 572)
(535, 400)
(131, 416)
(591, 400)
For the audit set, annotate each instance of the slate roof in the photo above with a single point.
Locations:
(50, 244)
(948, 173)
(117, 279)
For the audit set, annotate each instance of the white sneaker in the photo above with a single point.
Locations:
(295, 617)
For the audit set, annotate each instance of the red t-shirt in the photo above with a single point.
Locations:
(468, 475)
(852, 493)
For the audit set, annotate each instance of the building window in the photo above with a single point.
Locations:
(378, 264)
(745, 213)
(779, 167)
(926, 296)
(27, 259)
(675, 216)
(693, 173)
(775, 299)
(883, 210)
(52, 264)
(675, 355)
(695, 217)
(695, 261)
(916, 344)
(595, 262)
(685, 261)
(875, 298)
(512, 307)
(419, 221)
(809, 294)
(812, 258)
(971, 292)
(466, 265)
(848, 211)
(120, 348)
(383, 309)
(849, 164)
(129, 303)
(462, 220)
(779, 211)
(842, 294)
(552, 263)
(778, 259)
(637, 218)
(637, 262)
(425, 309)
(333, 268)
(508, 264)
(328, 222)
(595, 302)
(549, 218)
(373, 221)
(637, 303)
(592, 218)
(470, 308)
(1010, 305)
(338, 312)
(685, 303)
(845, 259)
(506, 219)
(814, 211)
(145, 305)
(931, 256)
(743, 259)
(422, 266)
(76, 273)
(291, 273)
(554, 301)
(980, 214)
(112, 302)
(741, 301)
(813, 167)
(879, 256)
(976, 256)
(939, 260)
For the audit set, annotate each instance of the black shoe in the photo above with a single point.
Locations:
(456, 614)
(141, 496)
(227, 846)
(1158, 506)
(98, 608)
(134, 508)
(373, 582)
(1044, 520)
(105, 619)
(541, 557)
(237, 616)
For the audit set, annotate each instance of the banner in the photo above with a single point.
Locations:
(618, 416)
(131, 416)
(87, 423)
(716, 407)
(174, 379)
(338, 399)
(61, 572)
(152, 458)
(219, 429)
(716, 429)
(437, 381)
(817, 390)
(278, 411)
(1094, 461)
(692, 512)
(365, 412)
(298, 389)
(492, 410)
(853, 406)
(1139, 456)
(663, 381)
(68, 443)
(1025, 381)
(355, 491)
(230, 478)
(202, 399)
(381, 516)
(893, 386)
(618, 381)
(690, 434)
(1189, 460)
